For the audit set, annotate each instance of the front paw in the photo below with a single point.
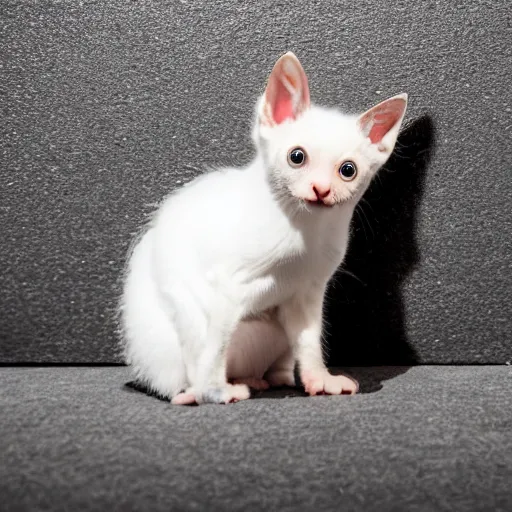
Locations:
(226, 394)
(318, 382)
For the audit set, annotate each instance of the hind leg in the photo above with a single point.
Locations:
(253, 383)
(259, 355)
(281, 373)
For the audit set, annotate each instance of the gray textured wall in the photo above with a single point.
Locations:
(107, 106)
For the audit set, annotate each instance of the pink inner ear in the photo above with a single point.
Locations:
(383, 118)
(283, 106)
(381, 126)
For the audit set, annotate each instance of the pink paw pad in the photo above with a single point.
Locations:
(322, 382)
(184, 398)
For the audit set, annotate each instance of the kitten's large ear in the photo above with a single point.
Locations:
(287, 92)
(381, 123)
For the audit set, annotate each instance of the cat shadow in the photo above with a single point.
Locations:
(137, 387)
(369, 378)
(365, 314)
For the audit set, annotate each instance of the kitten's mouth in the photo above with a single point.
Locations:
(318, 203)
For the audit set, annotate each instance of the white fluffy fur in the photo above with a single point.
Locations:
(229, 279)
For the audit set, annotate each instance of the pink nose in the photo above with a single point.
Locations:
(321, 192)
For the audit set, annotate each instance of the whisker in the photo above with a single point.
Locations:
(348, 273)
(369, 225)
(368, 204)
(362, 223)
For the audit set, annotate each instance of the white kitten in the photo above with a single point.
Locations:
(226, 286)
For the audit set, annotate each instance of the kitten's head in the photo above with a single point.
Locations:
(319, 156)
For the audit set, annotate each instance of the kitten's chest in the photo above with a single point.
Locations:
(306, 263)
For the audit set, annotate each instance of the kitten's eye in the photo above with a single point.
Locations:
(348, 171)
(297, 157)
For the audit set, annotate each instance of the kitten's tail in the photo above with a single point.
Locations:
(151, 343)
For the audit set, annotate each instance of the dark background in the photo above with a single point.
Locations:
(107, 106)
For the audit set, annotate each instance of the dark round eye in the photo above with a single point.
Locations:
(348, 171)
(297, 157)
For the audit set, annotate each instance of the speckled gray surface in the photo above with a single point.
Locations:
(431, 439)
(107, 106)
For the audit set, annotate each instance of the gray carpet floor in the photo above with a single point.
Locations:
(424, 438)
